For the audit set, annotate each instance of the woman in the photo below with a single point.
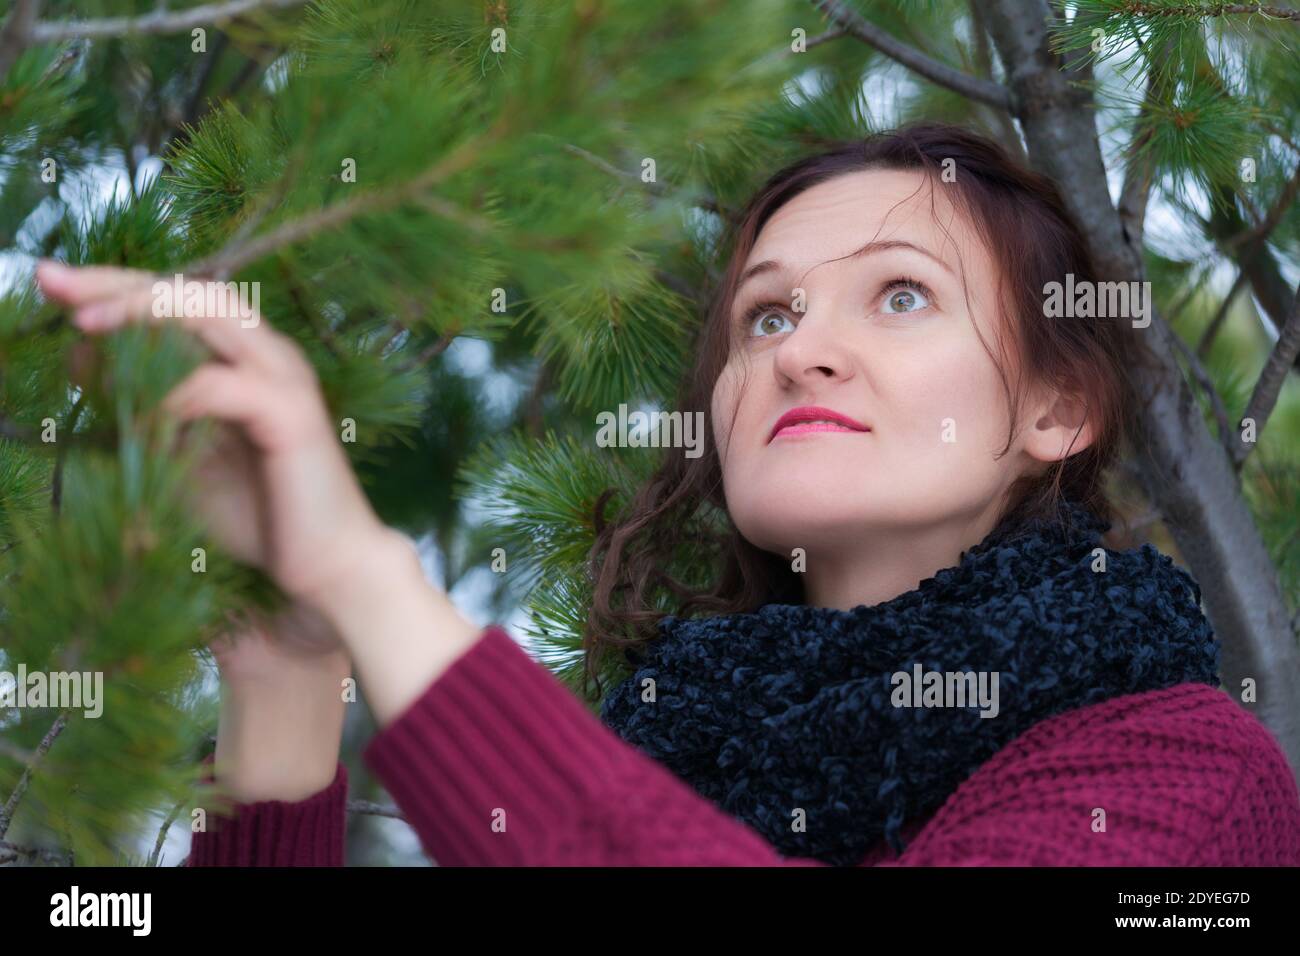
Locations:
(911, 451)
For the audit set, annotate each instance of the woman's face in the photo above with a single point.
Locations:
(886, 338)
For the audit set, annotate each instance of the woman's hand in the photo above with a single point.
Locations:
(284, 496)
(283, 705)
(277, 489)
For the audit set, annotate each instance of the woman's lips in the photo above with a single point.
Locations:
(810, 419)
(804, 428)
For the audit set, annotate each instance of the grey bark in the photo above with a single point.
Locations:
(1185, 472)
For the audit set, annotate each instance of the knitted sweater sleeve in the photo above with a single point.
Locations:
(497, 763)
(308, 832)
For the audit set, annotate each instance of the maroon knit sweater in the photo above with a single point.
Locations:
(497, 763)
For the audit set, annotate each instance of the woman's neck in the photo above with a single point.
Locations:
(892, 562)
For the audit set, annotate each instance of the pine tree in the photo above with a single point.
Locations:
(486, 221)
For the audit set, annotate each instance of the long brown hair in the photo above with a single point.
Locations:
(1024, 223)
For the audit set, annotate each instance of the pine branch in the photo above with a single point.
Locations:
(9, 852)
(707, 203)
(160, 22)
(826, 37)
(199, 107)
(162, 833)
(194, 104)
(1264, 398)
(1136, 191)
(310, 316)
(1251, 255)
(7, 813)
(608, 167)
(238, 254)
(983, 91)
(1201, 11)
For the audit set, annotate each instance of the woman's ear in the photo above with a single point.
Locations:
(1061, 425)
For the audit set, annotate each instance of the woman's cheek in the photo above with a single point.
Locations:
(941, 411)
(724, 412)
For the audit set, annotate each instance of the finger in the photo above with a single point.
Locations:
(228, 337)
(225, 393)
(77, 285)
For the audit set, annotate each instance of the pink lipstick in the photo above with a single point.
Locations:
(814, 418)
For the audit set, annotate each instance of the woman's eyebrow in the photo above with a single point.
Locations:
(770, 265)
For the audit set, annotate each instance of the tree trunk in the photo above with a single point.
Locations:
(1184, 470)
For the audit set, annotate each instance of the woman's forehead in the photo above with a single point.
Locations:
(836, 218)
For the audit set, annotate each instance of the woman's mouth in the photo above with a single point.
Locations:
(809, 419)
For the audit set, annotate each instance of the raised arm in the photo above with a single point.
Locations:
(494, 761)
(277, 753)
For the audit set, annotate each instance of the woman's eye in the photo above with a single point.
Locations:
(905, 299)
(768, 322)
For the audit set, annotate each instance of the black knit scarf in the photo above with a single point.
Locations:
(793, 707)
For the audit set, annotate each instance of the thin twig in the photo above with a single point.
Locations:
(374, 809)
(159, 22)
(162, 833)
(983, 91)
(826, 37)
(707, 203)
(7, 813)
(430, 352)
(604, 165)
(1138, 9)
(56, 485)
(395, 329)
(1212, 330)
(10, 852)
(195, 103)
(1176, 308)
(1136, 191)
(1264, 397)
(1207, 385)
(534, 408)
(235, 256)
(313, 318)
(1265, 226)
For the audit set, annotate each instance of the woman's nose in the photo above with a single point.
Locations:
(814, 349)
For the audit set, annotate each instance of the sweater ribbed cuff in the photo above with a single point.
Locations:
(306, 832)
(495, 763)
